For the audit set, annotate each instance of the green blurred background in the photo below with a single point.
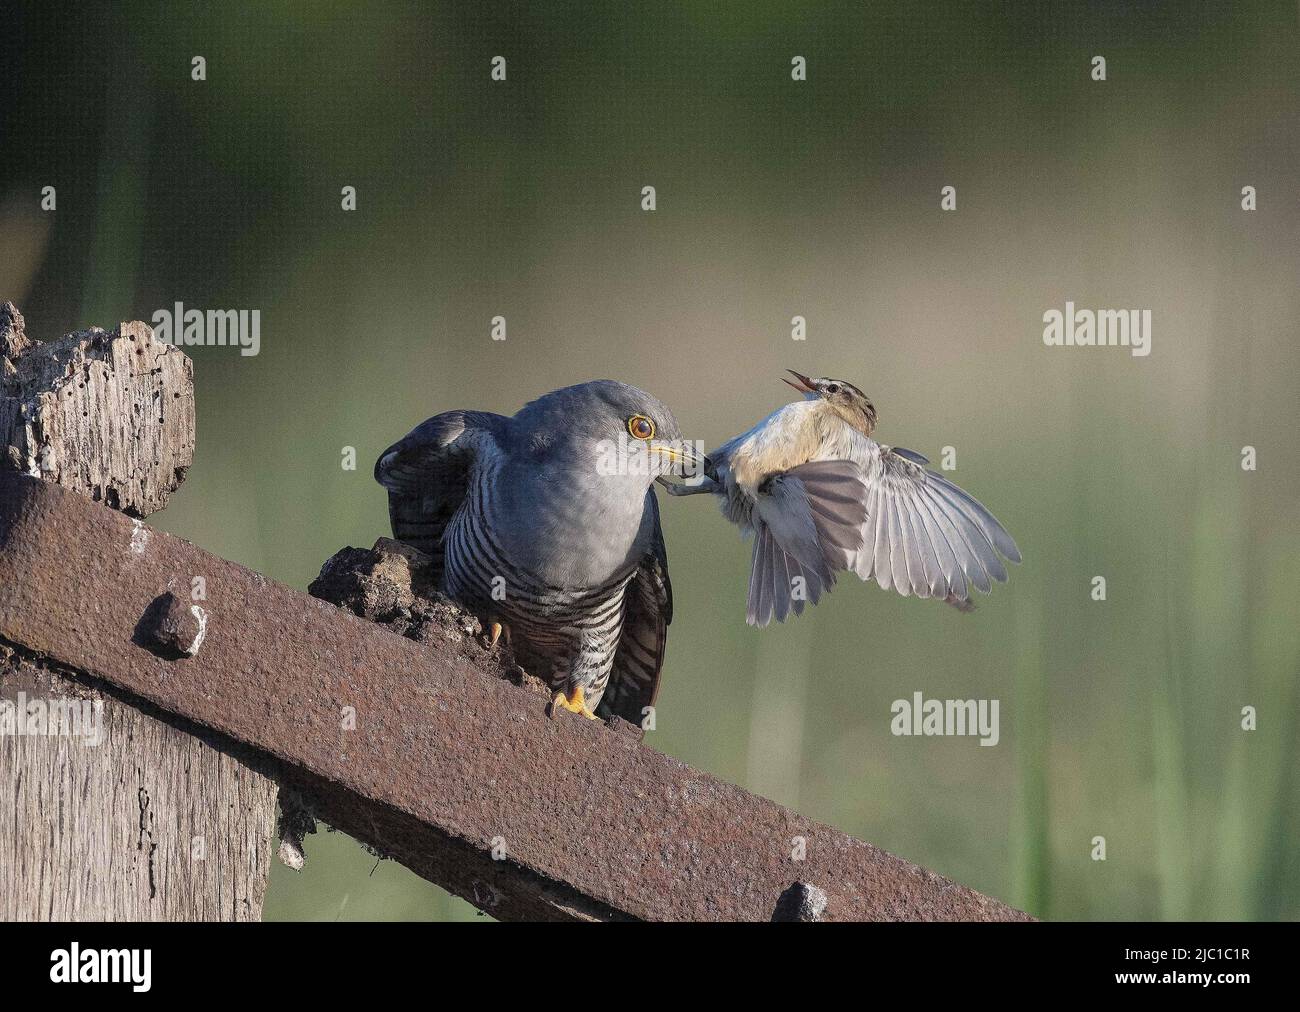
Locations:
(775, 198)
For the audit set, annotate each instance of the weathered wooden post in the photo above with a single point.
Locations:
(111, 809)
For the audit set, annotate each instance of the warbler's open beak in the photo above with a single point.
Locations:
(804, 384)
(685, 460)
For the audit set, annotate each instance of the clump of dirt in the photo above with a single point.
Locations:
(392, 584)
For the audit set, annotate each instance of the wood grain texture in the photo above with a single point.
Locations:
(109, 414)
(153, 823)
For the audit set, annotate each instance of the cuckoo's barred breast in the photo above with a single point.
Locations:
(558, 633)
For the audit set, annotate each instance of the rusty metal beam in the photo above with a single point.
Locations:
(445, 761)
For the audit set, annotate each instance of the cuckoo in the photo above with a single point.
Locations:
(545, 524)
(820, 496)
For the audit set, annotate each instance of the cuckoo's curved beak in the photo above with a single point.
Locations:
(804, 384)
(685, 460)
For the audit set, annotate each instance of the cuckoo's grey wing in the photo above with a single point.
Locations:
(924, 535)
(427, 474)
(647, 610)
(808, 524)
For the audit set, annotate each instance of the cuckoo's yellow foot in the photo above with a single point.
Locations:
(575, 703)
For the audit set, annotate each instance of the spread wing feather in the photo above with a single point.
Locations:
(924, 535)
(808, 524)
(427, 474)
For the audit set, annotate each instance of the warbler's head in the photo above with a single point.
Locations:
(849, 402)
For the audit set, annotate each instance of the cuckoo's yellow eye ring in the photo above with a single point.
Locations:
(640, 427)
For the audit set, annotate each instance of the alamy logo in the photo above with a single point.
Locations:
(75, 965)
(210, 328)
(946, 717)
(650, 457)
(60, 717)
(1125, 328)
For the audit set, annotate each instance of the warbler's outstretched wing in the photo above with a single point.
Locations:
(807, 524)
(923, 535)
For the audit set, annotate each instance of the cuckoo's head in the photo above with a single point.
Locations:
(615, 428)
(848, 401)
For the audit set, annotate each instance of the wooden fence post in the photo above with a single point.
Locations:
(113, 810)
